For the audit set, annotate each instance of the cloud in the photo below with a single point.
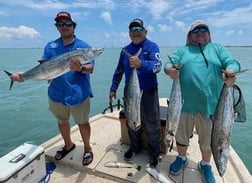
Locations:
(229, 33)
(106, 16)
(233, 17)
(107, 35)
(164, 28)
(61, 5)
(21, 32)
(150, 28)
(181, 25)
(2, 13)
(39, 5)
(157, 8)
(240, 32)
(232, 32)
(161, 16)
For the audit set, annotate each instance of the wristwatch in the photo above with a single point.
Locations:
(82, 68)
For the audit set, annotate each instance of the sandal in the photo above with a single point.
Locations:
(62, 153)
(87, 158)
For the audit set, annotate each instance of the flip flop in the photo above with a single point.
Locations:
(62, 153)
(87, 156)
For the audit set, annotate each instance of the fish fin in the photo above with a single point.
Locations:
(239, 72)
(129, 55)
(138, 167)
(167, 101)
(126, 52)
(139, 52)
(176, 66)
(8, 73)
(141, 93)
(41, 61)
(12, 81)
(126, 101)
(171, 146)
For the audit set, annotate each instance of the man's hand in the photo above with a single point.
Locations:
(173, 72)
(229, 77)
(75, 65)
(17, 77)
(135, 62)
(111, 96)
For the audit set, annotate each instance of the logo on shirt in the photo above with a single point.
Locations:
(54, 45)
(158, 57)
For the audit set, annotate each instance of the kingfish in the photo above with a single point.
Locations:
(132, 100)
(116, 164)
(223, 120)
(174, 110)
(55, 67)
(157, 175)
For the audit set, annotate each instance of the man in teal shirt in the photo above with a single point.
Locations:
(201, 79)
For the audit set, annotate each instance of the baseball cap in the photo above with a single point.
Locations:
(198, 23)
(65, 15)
(137, 22)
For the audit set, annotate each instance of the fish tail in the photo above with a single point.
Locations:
(171, 145)
(12, 81)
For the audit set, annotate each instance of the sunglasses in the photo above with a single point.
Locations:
(67, 24)
(200, 29)
(136, 29)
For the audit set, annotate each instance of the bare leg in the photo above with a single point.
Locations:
(181, 161)
(65, 133)
(85, 132)
(206, 155)
(69, 145)
(182, 150)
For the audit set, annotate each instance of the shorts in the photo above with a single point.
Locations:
(62, 113)
(202, 125)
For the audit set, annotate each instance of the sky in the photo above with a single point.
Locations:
(104, 23)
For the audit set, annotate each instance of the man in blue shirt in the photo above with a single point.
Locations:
(148, 64)
(70, 93)
(201, 81)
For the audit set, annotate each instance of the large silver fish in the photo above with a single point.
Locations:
(50, 69)
(223, 120)
(157, 175)
(116, 164)
(174, 111)
(133, 99)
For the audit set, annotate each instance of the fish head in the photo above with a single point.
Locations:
(97, 51)
(93, 52)
(89, 54)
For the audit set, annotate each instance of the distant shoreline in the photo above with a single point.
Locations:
(248, 46)
(237, 46)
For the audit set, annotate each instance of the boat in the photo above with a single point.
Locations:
(109, 142)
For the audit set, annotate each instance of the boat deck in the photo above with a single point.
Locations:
(107, 146)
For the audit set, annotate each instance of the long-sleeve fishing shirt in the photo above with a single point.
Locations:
(150, 66)
(201, 79)
(73, 87)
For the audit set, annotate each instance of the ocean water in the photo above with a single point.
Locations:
(24, 114)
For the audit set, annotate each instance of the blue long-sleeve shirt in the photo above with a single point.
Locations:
(201, 84)
(150, 66)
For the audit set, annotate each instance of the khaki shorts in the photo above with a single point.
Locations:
(80, 112)
(202, 125)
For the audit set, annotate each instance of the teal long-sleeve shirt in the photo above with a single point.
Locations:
(201, 80)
